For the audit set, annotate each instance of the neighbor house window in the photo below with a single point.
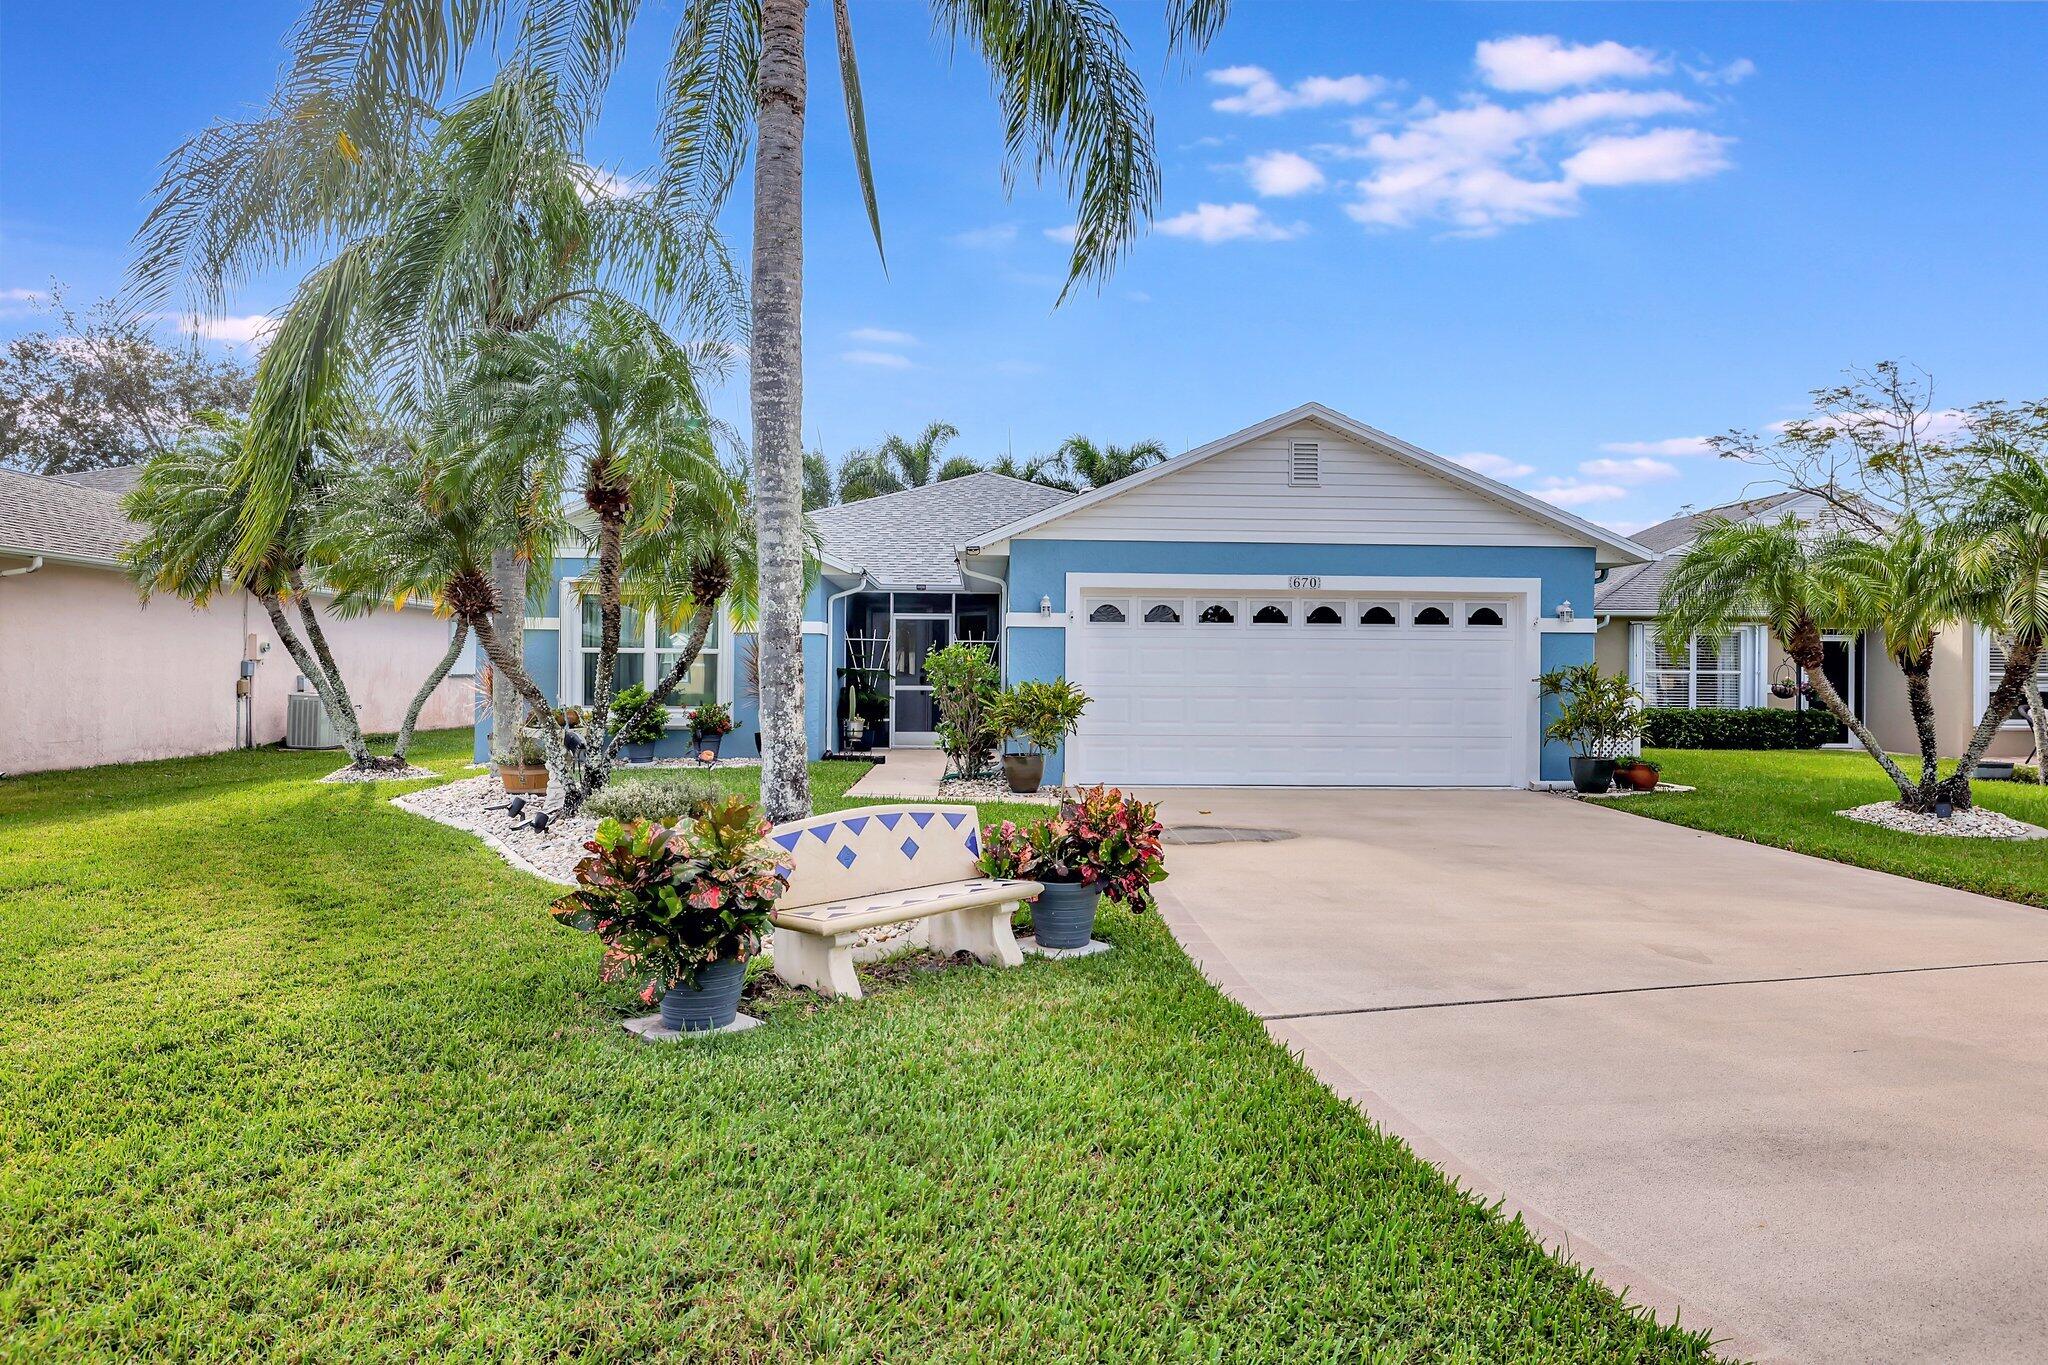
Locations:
(647, 650)
(1704, 671)
(1994, 673)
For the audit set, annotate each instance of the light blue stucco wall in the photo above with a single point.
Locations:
(1039, 568)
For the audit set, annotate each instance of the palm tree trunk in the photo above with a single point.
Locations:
(513, 670)
(1804, 646)
(281, 626)
(2037, 717)
(597, 762)
(2021, 659)
(1920, 701)
(610, 548)
(508, 712)
(776, 369)
(340, 709)
(457, 639)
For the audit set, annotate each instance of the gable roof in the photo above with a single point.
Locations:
(61, 519)
(907, 538)
(1612, 548)
(1635, 589)
(117, 478)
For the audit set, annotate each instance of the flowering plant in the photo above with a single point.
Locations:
(668, 900)
(710, 720)
(1102, 838)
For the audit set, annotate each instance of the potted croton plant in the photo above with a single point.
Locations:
(1042, 714)
(643, 725)
(1102, 845)
(1599, 715)
(680, 908)
(710, 723)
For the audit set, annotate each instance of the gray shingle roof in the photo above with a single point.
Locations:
(1634, 589)
(908, 537)
(40, 516)
(113, 479)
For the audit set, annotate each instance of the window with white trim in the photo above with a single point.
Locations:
(1705, 671)
(1994, 672)
(648, 648)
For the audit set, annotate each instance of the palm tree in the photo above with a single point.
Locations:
(1739, 571)
(1908, 585)
(1072, 108)
(1039, 469)
(897, 464)
(484, 219)
(1093, 465)
(613, 410)
(191, 508)
(818, 491)
(2009, 517)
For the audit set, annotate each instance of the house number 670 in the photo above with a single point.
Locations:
(1305, 581)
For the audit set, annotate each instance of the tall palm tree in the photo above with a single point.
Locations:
(191, 507)
(440, 226)
(1095, 465)
(897, 464)
(1073, 109)
(1907, 584)
(1039, 469)
(1775, 572)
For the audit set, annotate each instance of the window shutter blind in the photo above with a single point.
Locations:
(1305, 463)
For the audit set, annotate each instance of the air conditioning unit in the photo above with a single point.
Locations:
(306, 725)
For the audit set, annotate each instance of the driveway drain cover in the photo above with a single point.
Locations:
(1223, 834)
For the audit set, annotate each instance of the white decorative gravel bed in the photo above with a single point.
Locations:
(552, 854)
(1974, 823)
(408, 773)
(952, 788)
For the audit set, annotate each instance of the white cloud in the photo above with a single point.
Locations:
(887, 360)
(1571, 493)
(1533, 63)
(1137, 296)
(1065, 234)
(254, 329)
(1260, 94)
(1641, 469)
(881, 336)
(1731, 73)
(1213, 223)
(1661, 156)
(1671, 445)
(984, 238)
(1277, 175)
(16, 302)
(1493, 466)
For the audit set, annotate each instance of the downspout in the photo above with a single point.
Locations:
(35, 562)
(837, 739)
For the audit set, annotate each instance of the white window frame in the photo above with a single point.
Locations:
(1318, 603)
(1392, 609)
(1980, 691)
(569, 644)
(1465, 610)
(1750, 687)
(1229, 604)
(1090, 605)
(1451, 621)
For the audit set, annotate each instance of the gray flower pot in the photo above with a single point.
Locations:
(699, 743)
(638, 753)
(1592, 775)
(1024, 772)
(709, 1004)
(1063, 916)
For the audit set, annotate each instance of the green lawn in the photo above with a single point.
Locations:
(290, 1073)
(1789, 799)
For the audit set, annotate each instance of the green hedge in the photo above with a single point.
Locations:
(1746, 727)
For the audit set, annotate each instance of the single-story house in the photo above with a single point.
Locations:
(1740, 668)
(1308, 601)
(89, 674)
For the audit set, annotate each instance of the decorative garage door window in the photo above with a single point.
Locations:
(1379, 614)
(1426, 614)
(1108, 614)
(1324, 614)
(1162, 613)
(1216, 613)
(1431, 614)
(1272, 613)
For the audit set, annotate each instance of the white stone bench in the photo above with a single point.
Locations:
(860, 869)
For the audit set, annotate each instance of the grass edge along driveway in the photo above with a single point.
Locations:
(1788, 799)
(290, 1072)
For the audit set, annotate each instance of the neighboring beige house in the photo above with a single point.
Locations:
(1739, 669)
(90, 675)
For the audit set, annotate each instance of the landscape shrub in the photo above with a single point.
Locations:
(964, 689)
(1738, 727)
(669, 795)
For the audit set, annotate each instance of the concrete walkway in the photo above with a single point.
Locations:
(1801, 1104)
(912, 774)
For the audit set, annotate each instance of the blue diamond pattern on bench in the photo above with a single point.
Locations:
(909, 847)
(929, 846)
(846, 857)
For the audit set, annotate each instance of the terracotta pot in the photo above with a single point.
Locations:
(1641, 777)
(523, 779)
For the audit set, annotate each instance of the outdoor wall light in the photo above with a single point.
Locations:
(1564, 610)
(1045, 606)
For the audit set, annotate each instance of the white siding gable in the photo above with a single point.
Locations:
(1363, 496)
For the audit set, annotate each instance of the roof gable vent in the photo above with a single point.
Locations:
(1305, 463)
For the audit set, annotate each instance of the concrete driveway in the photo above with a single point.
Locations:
(1801, 1104)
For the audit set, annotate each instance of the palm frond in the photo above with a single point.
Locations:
(707, 108)
(857, 123)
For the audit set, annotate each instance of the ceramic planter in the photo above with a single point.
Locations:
(1024, 772)
(709, 1004)
(699, 743)
(638, 753)
(1642, 777)
(1063, 916)
(517, 778)
(1592, 775)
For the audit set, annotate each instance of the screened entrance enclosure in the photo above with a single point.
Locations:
(889, 635)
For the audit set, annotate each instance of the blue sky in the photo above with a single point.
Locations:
(1559, 241)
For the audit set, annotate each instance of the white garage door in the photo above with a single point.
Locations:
(1301, 690)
